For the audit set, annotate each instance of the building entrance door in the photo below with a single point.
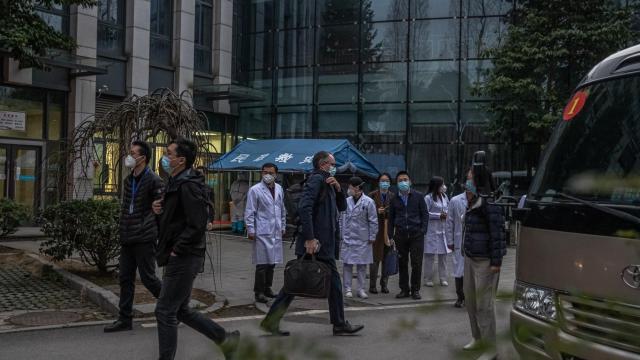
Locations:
(20, 174)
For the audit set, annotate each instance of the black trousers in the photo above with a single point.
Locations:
(460, 288)
(140, 257)
(373, 271)
(410, 247)
(264, 278)
(173, 306)
(336, 304)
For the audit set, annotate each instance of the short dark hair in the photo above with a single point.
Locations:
(187, 149)
(269, 165)
(356, 181)
(384, 174)
(318, 157)
(145, 149)
(402, 172)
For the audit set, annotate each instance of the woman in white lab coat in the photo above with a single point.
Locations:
(265, 218)
(435, 242)
(359, 227)
(454, 225)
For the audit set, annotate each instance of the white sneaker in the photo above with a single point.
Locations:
(444, 283)
(362, 294)
(429, 284)
(473, 345)
(348, 294)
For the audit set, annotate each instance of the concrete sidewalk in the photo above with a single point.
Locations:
(234, 275)
(229, 274)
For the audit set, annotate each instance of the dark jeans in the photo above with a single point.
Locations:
(336, 305)
(173, 305)
(264, 278)
(132, 257)
(410, 247)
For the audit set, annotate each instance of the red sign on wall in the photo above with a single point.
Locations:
(575, 105)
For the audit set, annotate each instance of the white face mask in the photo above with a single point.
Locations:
(268, 179)
(130, 162)
(443, 189)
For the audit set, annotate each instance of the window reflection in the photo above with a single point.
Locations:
(434, 39)
(385, 41)
(486, 7)
(295, 86)
(295, 13)
(338, 44)
(295, 47)
(434, 8)
(382, 10)
(384, 118)
(434, 80)
(337, 121)
(481, 34)
(338, 84)
(338, 11)
(384, 82)
(293, 122)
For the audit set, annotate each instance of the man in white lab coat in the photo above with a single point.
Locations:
(265, 218)
(454, 228)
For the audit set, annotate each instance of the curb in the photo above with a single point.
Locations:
(105, 299)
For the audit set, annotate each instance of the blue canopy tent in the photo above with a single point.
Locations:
(294, 155)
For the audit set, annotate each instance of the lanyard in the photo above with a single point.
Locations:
(134, 189)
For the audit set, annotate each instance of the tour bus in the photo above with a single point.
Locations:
(577, 290)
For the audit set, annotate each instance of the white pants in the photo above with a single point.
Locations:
(428, 266)
(347, 275)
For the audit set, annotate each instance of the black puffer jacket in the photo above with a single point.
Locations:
(140, 226)
(183, 221)
(484, 232)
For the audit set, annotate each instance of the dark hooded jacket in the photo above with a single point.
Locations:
(183, 221)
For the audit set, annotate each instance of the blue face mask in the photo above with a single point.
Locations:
(404, 186)
(384, 185)
(332, 171)
(471, 187)
(166, 164)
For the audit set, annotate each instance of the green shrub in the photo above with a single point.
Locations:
(88, 227)
(12, 215)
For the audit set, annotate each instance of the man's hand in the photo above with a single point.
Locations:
(443, 216)
(495, 269)
(156, 207)
(251, 236)
(451, 247)
(333, 182)
(173, 254)
(381, 210)
(209, 226)
(311, 246)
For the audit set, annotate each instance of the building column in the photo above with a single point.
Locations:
(183, 38)
(222, 48)
(137, 46)
(82, 97)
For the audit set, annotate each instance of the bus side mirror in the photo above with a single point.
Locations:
(520, 214)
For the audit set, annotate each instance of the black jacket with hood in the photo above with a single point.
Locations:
(140, 226)
(183, 221)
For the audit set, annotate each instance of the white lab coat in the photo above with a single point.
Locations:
(358, 227)
(265, 217)
(238, 192)
(435, 241)
(454, 230)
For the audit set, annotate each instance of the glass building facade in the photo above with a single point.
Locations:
(392, 76)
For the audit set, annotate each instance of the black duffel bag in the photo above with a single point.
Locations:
(307, 277)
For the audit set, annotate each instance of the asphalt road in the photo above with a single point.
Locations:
(395, 332)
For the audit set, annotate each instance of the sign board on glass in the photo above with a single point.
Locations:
(11, 120)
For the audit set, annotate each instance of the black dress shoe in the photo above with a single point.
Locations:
(273, 329)
(459, 303)
(346, 329)
(261, 298)
(384, 290)
(416, 295)
(269, 293)
(230, 345)
(403, 294)
(373, 290)
(118, 325)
